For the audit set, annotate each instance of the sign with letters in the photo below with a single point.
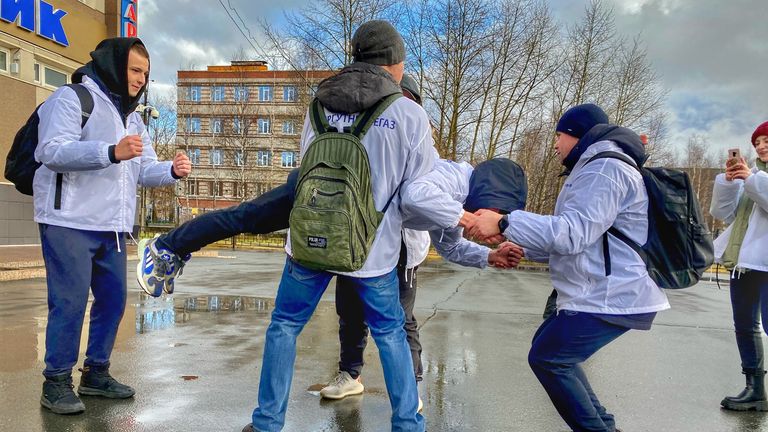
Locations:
(129, 18)
(46, 22)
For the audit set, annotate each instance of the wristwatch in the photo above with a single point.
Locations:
(503, 224)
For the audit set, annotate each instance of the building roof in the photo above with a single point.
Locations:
(248, 73)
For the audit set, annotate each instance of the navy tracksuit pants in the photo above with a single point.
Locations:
(78, 262)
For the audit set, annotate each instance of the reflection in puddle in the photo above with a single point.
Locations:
(159, 313)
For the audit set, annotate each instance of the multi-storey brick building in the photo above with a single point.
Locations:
(240, 125)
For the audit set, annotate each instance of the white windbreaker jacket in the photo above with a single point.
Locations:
(96, 195)
(435, 202)
(399, 146)
(595, 196)
(725, 198)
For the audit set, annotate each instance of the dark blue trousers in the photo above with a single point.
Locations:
(78, 262)
(353, 331)
(560, 345)
(749, 299)
(264, 214)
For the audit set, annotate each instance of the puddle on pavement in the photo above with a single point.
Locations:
(167, 311)
(26, 331)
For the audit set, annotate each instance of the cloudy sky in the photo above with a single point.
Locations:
(711, 55)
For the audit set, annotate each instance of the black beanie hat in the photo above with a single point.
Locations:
(578, 120)
(377, 42)
(411, 86)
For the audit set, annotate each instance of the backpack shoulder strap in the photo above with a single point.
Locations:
(614, 155)
(86, 102)
(365, 120)
(613, 230)
(317, 117)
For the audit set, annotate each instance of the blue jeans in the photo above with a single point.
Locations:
(297, 296)
(560, 345)
(749, 300)
(76, 262)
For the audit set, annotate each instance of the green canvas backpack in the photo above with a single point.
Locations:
(334, 220)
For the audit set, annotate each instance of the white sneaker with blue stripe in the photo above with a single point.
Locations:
(157, 268)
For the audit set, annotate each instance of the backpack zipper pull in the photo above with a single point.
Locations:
(313, 199)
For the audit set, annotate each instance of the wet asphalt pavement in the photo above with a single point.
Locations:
(195, 359)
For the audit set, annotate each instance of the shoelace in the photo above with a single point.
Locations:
(161, 265)
(61, 388)
(339, 379)
(179, 263)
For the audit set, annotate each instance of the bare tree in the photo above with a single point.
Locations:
(319, 35)
(458, 37)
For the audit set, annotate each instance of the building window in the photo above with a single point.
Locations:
(194, 93)
(5, 55)
(263, 158)
(239, 158)
(313, 90)
(265, 93)
(217, 94)
(263, 126)
(191, 187)
(289, 94)
(194, 156)
(241, 94)
(37, 72)
(288, 159)
(237, 126)
(193, 125)
(216, 157)
(54, 78)
(289, 127)
(215, 125)
(239, 189)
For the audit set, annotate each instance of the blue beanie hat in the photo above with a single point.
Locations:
(578, 120)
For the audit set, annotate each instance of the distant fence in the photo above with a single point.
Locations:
(241, 241)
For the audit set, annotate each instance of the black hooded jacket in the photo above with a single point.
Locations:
(627, 140)
(355, 88)
(109, 68)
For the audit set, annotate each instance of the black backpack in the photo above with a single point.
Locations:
(679, 247)
(20, 164)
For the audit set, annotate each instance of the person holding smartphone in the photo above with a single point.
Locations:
(740, 197)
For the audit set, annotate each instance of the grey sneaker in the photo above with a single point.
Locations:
(58, 395)
(341, 386)
(157, 268)
(96, 381)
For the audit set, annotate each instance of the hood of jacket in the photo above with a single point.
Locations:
(109, 68)
(627, 140)
(497, 184)
(355, 88)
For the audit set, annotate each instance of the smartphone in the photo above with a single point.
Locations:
(734, 153)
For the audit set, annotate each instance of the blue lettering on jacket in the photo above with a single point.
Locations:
(381, 122)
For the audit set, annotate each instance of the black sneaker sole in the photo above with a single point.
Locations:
(88, 391)
(56, 410)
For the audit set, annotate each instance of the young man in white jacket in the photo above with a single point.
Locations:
(400, 149)
(740, 198)
(436, 202)
(597, 302)
(84, 198)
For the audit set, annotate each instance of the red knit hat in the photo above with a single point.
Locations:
(760, 131)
